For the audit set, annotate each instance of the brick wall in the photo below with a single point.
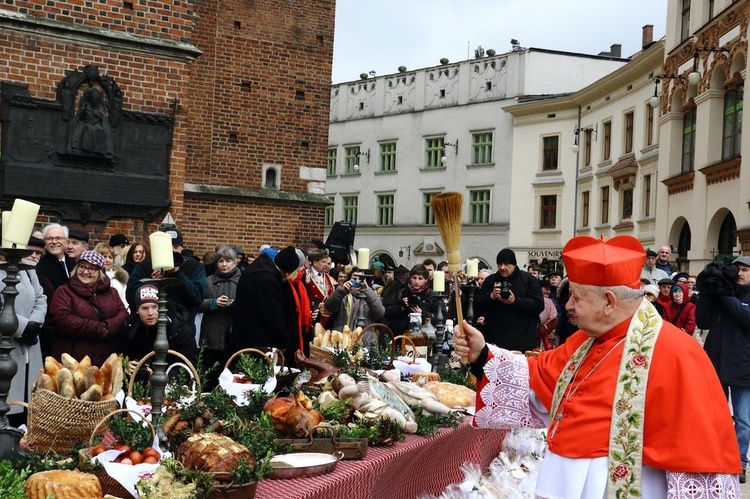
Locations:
(258, 94)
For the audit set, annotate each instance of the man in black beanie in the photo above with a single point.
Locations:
(265, 310)
(510, 300)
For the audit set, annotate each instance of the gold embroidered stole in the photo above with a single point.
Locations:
(628, 414)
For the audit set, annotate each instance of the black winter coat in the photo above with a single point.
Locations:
(513, 327)
(265, 312)
(728, 341)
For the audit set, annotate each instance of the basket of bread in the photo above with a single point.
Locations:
(69, 398)
(357, 342)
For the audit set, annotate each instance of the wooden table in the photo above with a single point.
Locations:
(404, 470)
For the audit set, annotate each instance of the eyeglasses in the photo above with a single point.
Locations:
(89, 270)
(37, 252)
(56, 239)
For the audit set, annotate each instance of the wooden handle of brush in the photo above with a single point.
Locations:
(459, 309)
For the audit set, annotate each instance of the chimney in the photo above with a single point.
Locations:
(648, 36)
(615, 50)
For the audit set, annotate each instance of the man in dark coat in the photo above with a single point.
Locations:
(55, 265)
(189, 293)
(727, 317)
(264, 308)
(510, 300)
(137, 334)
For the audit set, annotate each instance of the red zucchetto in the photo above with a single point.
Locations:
(596, 262)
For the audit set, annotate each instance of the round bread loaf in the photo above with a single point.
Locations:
(426, 376)
(213, 452)
(63, 484)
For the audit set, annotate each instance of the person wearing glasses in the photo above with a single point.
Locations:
(86, 312)
(55, 265)
(349, 299)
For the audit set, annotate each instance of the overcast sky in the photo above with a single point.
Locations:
(382, 35)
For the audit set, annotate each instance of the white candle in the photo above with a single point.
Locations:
(161, 251)
(438, 281)
(6, 221)
(472, 267)
(363, 258)
(21, 223)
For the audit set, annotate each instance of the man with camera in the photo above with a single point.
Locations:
(724, 309)
(351, 300)
(510, 302)
(414, 298)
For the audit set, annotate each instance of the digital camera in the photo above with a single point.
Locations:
(414, 301)
(505, 288)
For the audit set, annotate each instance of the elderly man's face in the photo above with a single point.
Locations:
(55, 241)
(481, 276)
(76, 248)
(555, 280)
(650, 261)
(322, 265)
(664, 289)
(664, 253)
(586, 308)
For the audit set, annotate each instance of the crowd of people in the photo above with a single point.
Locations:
(94, 302)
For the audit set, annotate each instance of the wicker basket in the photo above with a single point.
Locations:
(57, 423)
(109, 485)
(186, 363)
(325, 355)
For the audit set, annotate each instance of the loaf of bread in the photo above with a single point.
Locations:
(453, 396)
(71, 378)
(63, 484)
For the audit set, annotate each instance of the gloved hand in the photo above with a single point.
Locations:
(30, 335)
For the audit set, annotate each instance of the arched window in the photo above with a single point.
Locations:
(732, 134)
(727, 238)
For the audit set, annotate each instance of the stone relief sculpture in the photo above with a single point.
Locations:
(360, 103)
(90, 130)
(488, 80)
(439, 91)
(399, 95)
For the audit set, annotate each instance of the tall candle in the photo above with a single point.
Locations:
(363, 258)
(6, 221)
(438, 281)
(161, 251)
(472, 267)
(21, 222)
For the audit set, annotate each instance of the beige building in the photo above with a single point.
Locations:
(704, 188)
(586, 163)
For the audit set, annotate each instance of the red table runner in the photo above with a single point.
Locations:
(417, 465)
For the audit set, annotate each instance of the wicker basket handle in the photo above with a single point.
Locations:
(413, 346)
(324, 426)
(18, 402)
(270, 359)
(381, 326)
(143, 360)
(119, 411)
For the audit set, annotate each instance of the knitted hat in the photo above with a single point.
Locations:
(148, 293)
(596, 262)
(287, 259)
(506, 255)
(651, 288)
(93, 258)
(377, 264)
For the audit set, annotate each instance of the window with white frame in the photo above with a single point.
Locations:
(388, 157)
(479, 207)
(385, 210)
(481, 148)
(350, 206)
(434, 152)
(428, 216)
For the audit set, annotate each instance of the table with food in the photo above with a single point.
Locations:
(347, 424)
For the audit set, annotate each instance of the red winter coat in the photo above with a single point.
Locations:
(78, 330)
(685, 320)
